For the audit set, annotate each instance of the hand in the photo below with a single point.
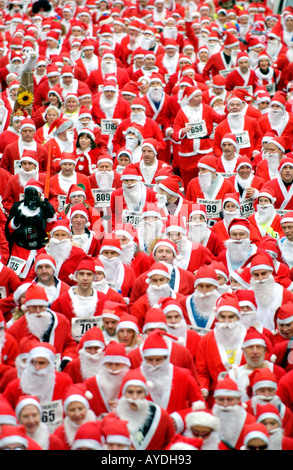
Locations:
(204, 393)
(186, 129)
(169, 132)
(250, 192)
(112, 404)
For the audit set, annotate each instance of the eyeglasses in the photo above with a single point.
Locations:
(264, 447)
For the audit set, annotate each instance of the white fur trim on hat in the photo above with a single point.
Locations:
(202, 418)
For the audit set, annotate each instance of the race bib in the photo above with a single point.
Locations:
(242, 139)
(227, 175)
(213, 207)
(79, 326)
(225, 72)
(61, 202)
(52, 414)
(167, 77)
(246, 207)
(198, 129)
(271, 89)
(199, 330)
(108, 127)
(16, 264)
(248, 88)
(282, 212)
(16, 166)
(102, 198)
(131, 217)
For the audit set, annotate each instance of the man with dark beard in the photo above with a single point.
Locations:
(150, 426)
(238, 246)
(45, 324)
(221, 348)
(232, 415)
(40, 379)
(199, 307)
(90, 355)
(269, 294)
(173, 387)
(158, 277)
(106, 384)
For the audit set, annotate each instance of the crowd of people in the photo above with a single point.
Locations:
(146, 225)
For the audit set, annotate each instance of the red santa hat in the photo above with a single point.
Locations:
(53, 36)
(36, 295)
(276, 31)
(113, 310)
(171, 185)
(246, 298)
(84, 112)
(13, 435)
(33, 183)
(175, 224)
(288, 217)
(154, 319)
(242, 276)
(285, 161)
(198, 209)
(25, 400)
(268, 411)
(87, 263)
(219, 81)
(127, 231)
(28, 123)
(44, 350)
(131, 89)
(167, 243)
(116, 352)
(284, 313)
(227, 387)
(93, 337)
(243, 160)
(155, 344)
(79, 209)
(228, 302)
(255, 431)
(171, 305)
(29, 156)
(134, 377)
(7, 414)
(125, 151)
(104, 158)
(231, 197)
(261, 260)
(279, 98)
(61, 125)
(89, 435)
(231, 138)
(230, 40)
(189, 93)
(209, 162)
(206, 274)
(267, 192)
(52, 71)
(201, 416)
(111, 244)
(115, 431)
(220, 269)
(77, 393)
(75, 190)
(61, 224)
(239, 224)
(128, 321)
(110, 85)
(138, 103)
(45, 258)
(254, 337)
(131, 172)
(261, 378)
(160, 269)
(152, 143)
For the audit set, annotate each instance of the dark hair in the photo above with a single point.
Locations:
(93, 143)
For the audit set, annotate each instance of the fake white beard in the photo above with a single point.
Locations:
(50, 291)
(158, 375)
(231, 419)
(264, 400)
(135, 418)
(101, 286)
(119, 169)
(276, 437)
(170, 63)
(205, 303)
(287, 252)
(149, 231)
(229, 216)
(104, 179)
(253, 59)
(273, 162)
(110, 67)
(20, 366)
(71, 428)
(138, 118)
(2, 339)
(272, 47)
(197, 231)
(79, 126)
(25, 176)
(245, 183)
(170, 32)
(263, 290)
(156, 93)
(162, 200)
(154, 293)
(108, 106)
(37, 325)
(74, 54)
(243, 30)
(147, 43)
(112, 267)
(90, 363)
(248, 319)
(214, 48)
(59, 249)
(38, 383)
(235, 121)
(229, 334)
(131, 142)
(128, 250)
(220, 109)
(82, 240)
(275, 115)
(177, 329)
(132, 195)
(264, 213)
(205, 181)
(41, 436)
(193, 113)
(238, 249)
(110, 383)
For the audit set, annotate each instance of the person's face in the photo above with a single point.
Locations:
(201, 432)
(110, 325)
(126, 336)
(289, 24)
(286, 329)
(264, 200)
(41, 69)
(135, 392)
(76, 411)
(77, 199)
(123, 160)
(110, 254)
(27, 134)
(86, 101)
(287, 173)
(263, 105)
(238, 234)
(287, 228)
(256, 444)
(234, 106)
(93, 350)
(158, 280)
(228, 149)
(53, 99)
(148, 155)
(67, 168)
(28, 166)
(260, 274)
(17, 124)
(113, 366)
(109, 94)
(84, 141)
(51, 43)
(254, 354)
(163, 253)
(197, 218)
(149, 62)
(155, 360)
(229, 206)
(45, 273)
(226, 401)
(203, 55)
(244, 171)
(67, 80)
(196, 100)
(85, 278)
(105, 166)
(205, 287)
(170, 51)
(270, 424)
(40, 363)
(71, 104)
(175, 236)
(54, 79)
(263, 64)
(51, 116)
(36, 309)
(227, 317)
(60, 235)
(173, 317)
(30, 418)
(265, 391)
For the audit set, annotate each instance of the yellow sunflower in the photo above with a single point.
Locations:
(25, 98)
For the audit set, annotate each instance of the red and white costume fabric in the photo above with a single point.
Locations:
(96, 77)
(62, 185)
(194, 191)
(284, 126)
(282, 193)
(237, 79)
(9, 352)
(13, 152)
(149, 174)
(7, 137)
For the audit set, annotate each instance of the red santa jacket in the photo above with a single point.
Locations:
(287, 130)
(275, 224)
(282, 193)
(194, 192)
(65, 304)
(96, 77)
(79, 178)
(12, 154)
(235, 79)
